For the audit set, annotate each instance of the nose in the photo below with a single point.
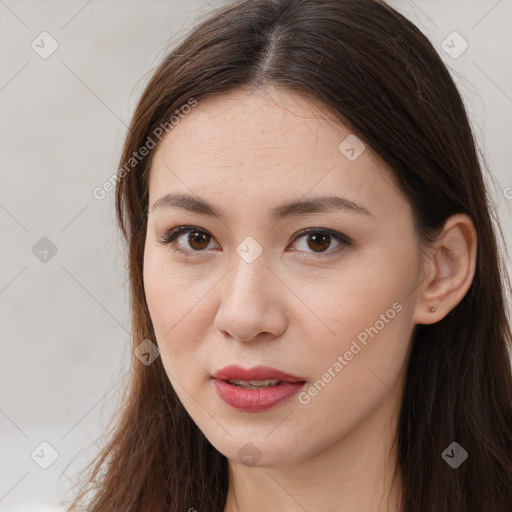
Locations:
(252, 303)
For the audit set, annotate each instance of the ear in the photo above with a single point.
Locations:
(448, 271)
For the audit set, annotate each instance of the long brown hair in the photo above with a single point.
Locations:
(374, 69)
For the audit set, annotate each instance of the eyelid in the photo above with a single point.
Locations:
(169, 237)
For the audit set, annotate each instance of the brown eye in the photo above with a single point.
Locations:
(319, 241)
(198, 240)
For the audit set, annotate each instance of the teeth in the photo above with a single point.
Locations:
(266, 383)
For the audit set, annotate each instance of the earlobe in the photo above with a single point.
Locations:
(451, 270)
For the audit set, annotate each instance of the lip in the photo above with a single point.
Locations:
(253, 400)
(234, 371)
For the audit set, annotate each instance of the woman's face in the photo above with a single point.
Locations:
(251, 288)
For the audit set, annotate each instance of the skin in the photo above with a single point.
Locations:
(291, 308)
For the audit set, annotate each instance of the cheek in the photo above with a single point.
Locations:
(178, 308)
(357, 367)
(357, 292)
(363, 312)
(168, 295)
(174, 328)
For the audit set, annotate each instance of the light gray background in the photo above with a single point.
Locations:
(65, 342)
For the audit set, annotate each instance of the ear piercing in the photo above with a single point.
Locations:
(432, 309)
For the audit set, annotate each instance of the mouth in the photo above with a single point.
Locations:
(254, 384)
(257, 398)
(258, 377)
(257, 389)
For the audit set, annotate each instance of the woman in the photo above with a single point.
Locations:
(312, 251)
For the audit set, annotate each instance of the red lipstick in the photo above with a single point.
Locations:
(255, 399)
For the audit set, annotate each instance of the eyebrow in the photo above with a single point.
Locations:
(311, 205)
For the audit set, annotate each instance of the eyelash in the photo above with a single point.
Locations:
(170, 236)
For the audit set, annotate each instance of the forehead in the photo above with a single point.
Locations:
(268, 145)
(271, 123)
